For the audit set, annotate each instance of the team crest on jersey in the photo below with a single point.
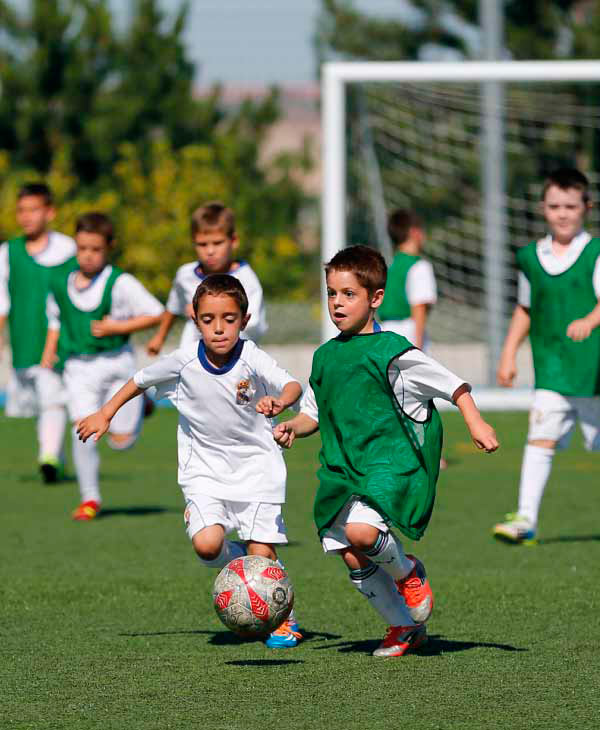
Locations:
(245, 392)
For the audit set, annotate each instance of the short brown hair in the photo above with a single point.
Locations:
(222, 285)
(565, 178)
(399, 224)
(38, 190)
(213, 216)
(94, 222)
(367, 264)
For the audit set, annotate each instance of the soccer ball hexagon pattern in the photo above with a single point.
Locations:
(252, 596)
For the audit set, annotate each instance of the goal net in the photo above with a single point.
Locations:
(422, 145)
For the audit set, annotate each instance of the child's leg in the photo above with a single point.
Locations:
(126, 426)
(206, 524)
(52, 419)
(86, 461)
(381, 547)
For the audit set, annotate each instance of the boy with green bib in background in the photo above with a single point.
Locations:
(559, 288)
(26, 263)
(371, 397)
(93, 307)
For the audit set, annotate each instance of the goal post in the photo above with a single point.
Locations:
(491, 78)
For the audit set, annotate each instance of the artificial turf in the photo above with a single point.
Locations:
(109, 624)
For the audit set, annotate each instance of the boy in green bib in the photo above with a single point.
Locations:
(26, 263)
(559, 288)
(93, 307)
(371, 397)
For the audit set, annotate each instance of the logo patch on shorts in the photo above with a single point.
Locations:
(186, 516)
(244, 392)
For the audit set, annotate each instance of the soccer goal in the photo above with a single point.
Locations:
(467, 146)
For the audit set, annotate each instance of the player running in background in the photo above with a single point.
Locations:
(215, 241)
(93, 307)
(559, 287)
(371, 397)
(25, 266)
(411, 290)
(231, 471)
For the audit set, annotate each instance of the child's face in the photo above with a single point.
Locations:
(351, 307)
(92, 252)
(220, 321)
(564, 211)
(215, 251)
(34, 215)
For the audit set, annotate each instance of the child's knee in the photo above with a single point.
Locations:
(354, 560)
(122, 441)
(208, 542)
(360, 535)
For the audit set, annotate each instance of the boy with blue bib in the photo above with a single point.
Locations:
(93, 308)
(371, 397)
(558, 293)
(231, 472)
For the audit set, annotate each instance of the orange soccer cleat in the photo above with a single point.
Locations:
(416, 591)
(86, 511)
(400, 639)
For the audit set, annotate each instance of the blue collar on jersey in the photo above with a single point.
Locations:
(376, 330)
(201, 275)
(210, 368)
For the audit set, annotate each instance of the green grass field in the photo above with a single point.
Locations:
(109, 624)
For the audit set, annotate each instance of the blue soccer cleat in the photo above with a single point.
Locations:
(285, 637)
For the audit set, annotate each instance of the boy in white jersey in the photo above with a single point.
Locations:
(25, 266)
(93, 307)
(411, 290)
(215, 240)
(230, 470)
(558, 293)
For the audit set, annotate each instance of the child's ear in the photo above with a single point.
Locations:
(245, 320)
(50, 213)
(377, 298)
(235, 242)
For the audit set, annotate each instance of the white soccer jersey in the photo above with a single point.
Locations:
(186, 281)
(59, 249)
(415, 378)
(225, 448)
(555, 265)
(129, 298)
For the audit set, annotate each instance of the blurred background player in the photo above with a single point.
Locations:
(93, 307)
(411, 289)
(215, 241)
(25, 266)
(231, 471)
(559, 288)
(371, 397)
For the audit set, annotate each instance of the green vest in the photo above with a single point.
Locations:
(566, 367)
(370, 447)
(28, 288)
(76, 337)
(395, 303)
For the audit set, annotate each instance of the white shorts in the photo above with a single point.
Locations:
(257, 521)
(91, 380)
(553, 417)
(34, 389)
(354, 510)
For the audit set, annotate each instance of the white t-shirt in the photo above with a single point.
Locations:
(415, 378)
(225, 448)
(554, 265)
(186, 281)
(129, 298)
(59, 249)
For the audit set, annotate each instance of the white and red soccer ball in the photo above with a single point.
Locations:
(252, 596)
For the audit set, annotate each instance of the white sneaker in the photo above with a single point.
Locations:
(515, 529)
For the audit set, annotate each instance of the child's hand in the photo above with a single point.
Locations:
(579, 329)
(106, 327)
(49, 359)
(507, 370)
(483, 435)
(270, 406)
(97, 424)
(154, 345)
(284, 434)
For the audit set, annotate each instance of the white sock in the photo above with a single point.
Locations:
(229, 551)
(51, 426)
(388, 554)
(380, 590)
(87, 465)
(535, 470)
(292, 617)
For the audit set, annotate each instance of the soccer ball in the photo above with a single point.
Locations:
(252, 596)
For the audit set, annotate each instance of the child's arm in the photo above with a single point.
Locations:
(270, 406)
(133, 308)
(108, 326)
(98, 423)
(155, 344)
(517, 332)
(483, 435)
(418, 313)
(49, 356)
(298, 427)
(581, 329)
(3, 318)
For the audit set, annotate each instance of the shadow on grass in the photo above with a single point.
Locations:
(568, 538)
(135, 511)
(226, 638)
(436, 646)
(263, 662)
